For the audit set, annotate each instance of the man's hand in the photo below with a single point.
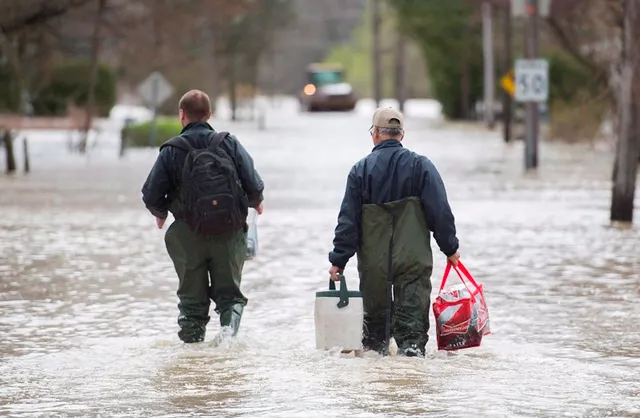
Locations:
(259, 209)
(160, 222)
(453, 259)
(335, 272)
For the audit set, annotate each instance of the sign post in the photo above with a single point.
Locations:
(532, 88)
(155, 90)
(531, 75)
(519, 8)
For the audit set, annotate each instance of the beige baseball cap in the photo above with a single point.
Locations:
(387, 117)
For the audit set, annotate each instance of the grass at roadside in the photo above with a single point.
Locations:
(137, 134)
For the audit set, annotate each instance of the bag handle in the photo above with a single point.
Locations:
(468, 275)
(447, 271)
(344, 292)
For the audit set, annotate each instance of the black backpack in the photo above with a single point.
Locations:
(210, 192)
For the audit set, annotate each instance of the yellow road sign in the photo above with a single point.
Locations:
(508, 83)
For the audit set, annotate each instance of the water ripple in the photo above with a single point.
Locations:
(87, 292)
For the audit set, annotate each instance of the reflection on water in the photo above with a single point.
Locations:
(87, 292)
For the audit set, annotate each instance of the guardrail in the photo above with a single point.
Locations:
(19, 122)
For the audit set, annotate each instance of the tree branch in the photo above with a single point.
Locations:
(44, 14)
(570, 47)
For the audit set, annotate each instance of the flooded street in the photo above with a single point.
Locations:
(88, 306)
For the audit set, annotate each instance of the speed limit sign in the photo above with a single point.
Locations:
(532, 80)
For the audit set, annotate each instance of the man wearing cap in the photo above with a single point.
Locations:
(393, 198)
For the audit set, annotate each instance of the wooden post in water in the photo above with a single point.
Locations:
(8, 149)
(25, 150)
(123, 141)
(532, 118)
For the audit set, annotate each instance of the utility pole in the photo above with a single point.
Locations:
(401, 69)
(507, 58)
(377, 70)
(489, 72)
(532, 122)
(93, 77)
(212, 41)
(154, 95)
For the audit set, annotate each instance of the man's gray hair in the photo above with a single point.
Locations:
(391, 132)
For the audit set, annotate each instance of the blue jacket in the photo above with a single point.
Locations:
(389, 173)
(165, 176)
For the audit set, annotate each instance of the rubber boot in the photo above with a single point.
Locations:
(231, 318)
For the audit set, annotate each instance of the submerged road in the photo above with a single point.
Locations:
(88, 305)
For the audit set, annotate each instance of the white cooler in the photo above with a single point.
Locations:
(339, 316)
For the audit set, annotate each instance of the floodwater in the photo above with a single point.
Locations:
(88, 307)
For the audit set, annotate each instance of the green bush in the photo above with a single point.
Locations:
(450, 40)
(9, 89)
(570, 80)
(137, 135)
(446, 78)
(578, 101)
(69, 83)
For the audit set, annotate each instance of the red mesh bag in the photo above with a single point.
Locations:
(461, 313)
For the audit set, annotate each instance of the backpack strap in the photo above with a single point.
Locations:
(217, 140)
(178, 142)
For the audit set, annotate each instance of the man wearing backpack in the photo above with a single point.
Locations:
(207, 180)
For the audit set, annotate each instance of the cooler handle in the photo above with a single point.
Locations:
(344, 292)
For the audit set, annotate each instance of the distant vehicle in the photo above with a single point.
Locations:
(326, 89)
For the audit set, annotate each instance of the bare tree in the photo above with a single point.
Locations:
(183, 39)
(243, 34)
(17, 15)
(93, 75)
(625, 79)
(24, 30)
(603, 36)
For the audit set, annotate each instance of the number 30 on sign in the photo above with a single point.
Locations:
(532, 80)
